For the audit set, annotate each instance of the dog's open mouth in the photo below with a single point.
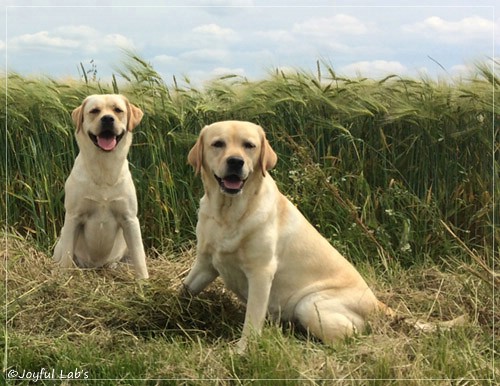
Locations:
(231, 184)
(107, 140)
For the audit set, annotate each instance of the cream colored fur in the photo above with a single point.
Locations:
(101, 225)
(263, 248)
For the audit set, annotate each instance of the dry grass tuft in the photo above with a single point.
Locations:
(78, 302)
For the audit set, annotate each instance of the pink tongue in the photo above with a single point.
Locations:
(106, 143)
(232, 184)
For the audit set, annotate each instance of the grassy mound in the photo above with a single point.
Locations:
(114, 330)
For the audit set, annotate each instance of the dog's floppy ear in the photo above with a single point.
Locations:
(134, 115)
(268, 157)
(77, 116)
(195, 156)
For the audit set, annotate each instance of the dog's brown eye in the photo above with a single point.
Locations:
(248, 145)
(95, 111)
(118, 110)
(218, 144)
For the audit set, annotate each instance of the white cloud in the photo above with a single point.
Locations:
(215, 31)
(77, 31)
(331, 26)
(469, 28)
(117, 40)
(82, 38)
(373, 69)
(2, 45)
(42, 39)
(165, 59)
(208, 35)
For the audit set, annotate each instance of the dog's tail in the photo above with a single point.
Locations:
(422, 325)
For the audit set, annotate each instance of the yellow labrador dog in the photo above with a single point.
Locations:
(101, 225)
(262, 246)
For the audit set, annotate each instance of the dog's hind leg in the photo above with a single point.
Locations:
(327, 319)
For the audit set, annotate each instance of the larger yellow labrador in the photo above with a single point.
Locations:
(262, 246)
(101, 225)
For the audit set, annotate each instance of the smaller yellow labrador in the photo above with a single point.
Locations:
(101, 225)
(262, 246)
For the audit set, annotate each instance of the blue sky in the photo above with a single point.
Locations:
(205, 39)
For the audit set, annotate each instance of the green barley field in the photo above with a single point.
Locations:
(401, 175)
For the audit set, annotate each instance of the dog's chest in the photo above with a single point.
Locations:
(100, 214)
(219, 235)
(99, 202)
(235, 251)
(100, 208)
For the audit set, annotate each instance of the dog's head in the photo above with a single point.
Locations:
(229, 153)
(105, 120)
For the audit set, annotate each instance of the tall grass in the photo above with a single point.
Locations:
(375, 165)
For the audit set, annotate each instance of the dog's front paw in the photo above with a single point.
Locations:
(66, 261)
(241, 346)
(185, 291)
(62, 264)
(141, 276)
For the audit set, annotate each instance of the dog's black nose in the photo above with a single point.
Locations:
(235, 162)
(107, 119)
